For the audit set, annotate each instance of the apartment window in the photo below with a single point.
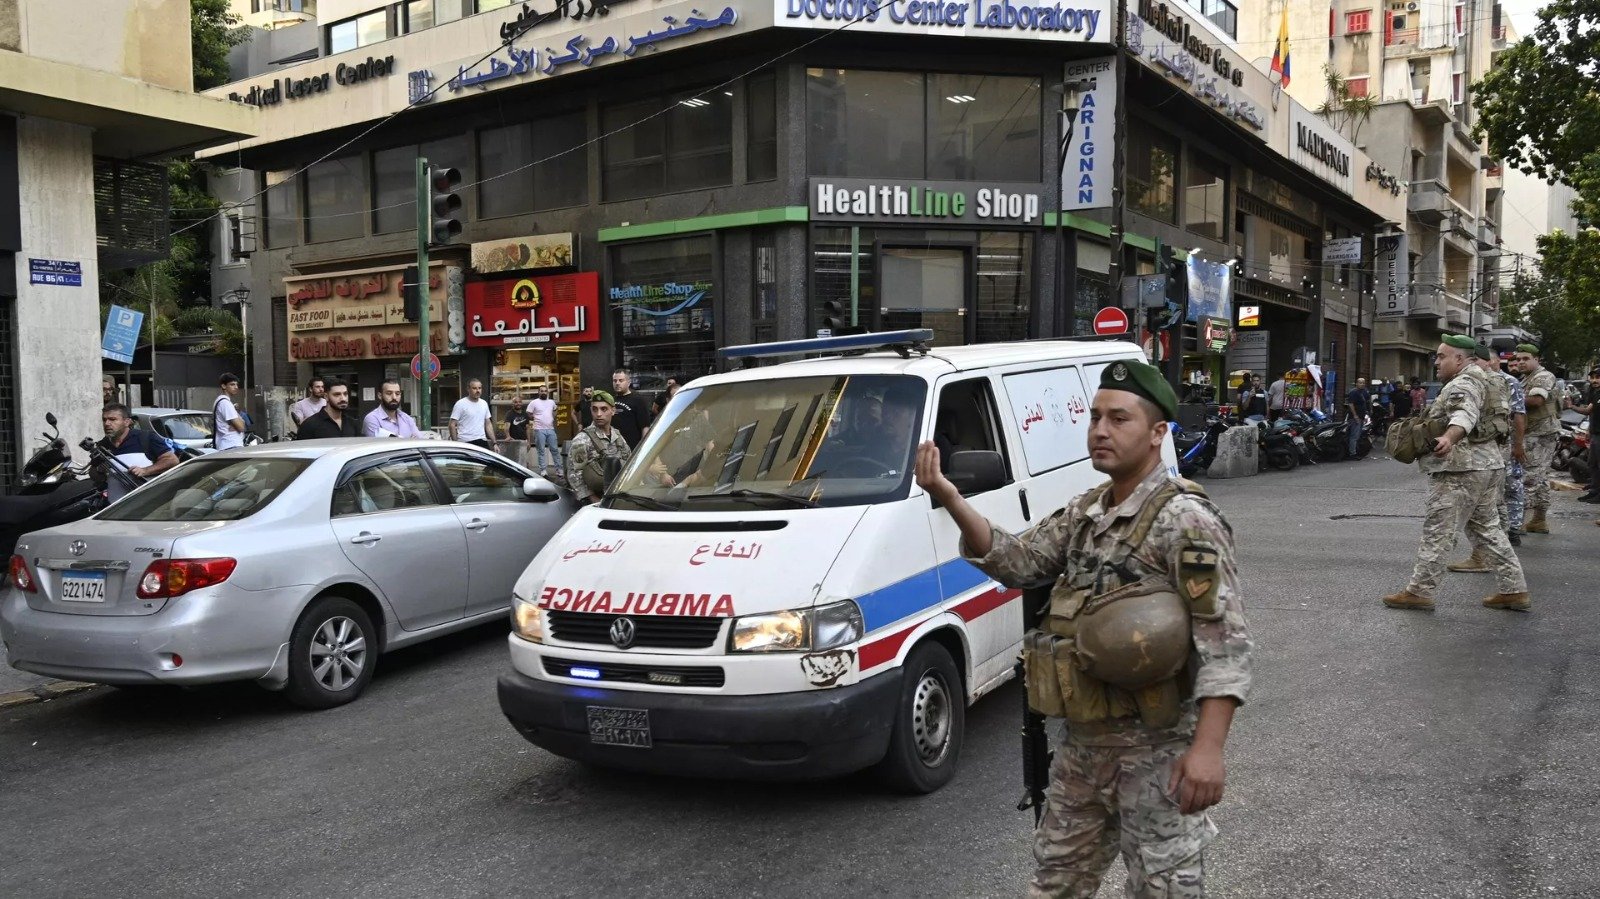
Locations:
(1205, 196)
(761, 141)
(1152, 171)
(335, 205)
(486, 5)
(1357, 87)
(1359, 22)
(394, 179)
(280, 210)
(524, 169)
(419, 15)
(904, 124)
(1456, 82)
(229, 239)
(1461, 19)
(358, 31)
(688, 148)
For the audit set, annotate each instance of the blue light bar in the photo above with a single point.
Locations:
(845, 343)
(585, 673)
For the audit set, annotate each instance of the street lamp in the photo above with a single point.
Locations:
(1071, 103)
(241, 295)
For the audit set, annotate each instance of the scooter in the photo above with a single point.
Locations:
(50, 491)
(1198, 449)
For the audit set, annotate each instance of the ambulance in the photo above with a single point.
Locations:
(765, 592)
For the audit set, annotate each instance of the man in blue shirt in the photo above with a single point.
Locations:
(144, 454)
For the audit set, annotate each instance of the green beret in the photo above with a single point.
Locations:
(1482, 351)
(1460, 342)
(601, 396)
(1142, 380)
(1528, 348)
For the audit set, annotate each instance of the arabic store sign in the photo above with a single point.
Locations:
(868, 200)
(1087, 21)
(1162, 40)
(581, 50)
(527, 311)
(360, 315)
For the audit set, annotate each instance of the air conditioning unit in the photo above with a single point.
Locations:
(1413, 6)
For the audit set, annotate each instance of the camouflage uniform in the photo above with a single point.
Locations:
(586, 446)
(1514, 495)
(1109, 781)
(1544, 431)
(1462, 487)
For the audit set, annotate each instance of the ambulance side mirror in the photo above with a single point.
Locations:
(977, 471)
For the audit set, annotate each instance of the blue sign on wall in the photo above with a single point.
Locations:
(122, 334)
(58, 272)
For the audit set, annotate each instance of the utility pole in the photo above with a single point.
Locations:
(1119, 137)
(424, 234)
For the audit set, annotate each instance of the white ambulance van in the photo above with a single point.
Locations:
(767, 593)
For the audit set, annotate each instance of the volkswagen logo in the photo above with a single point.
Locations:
(622, 632)
(77, 547)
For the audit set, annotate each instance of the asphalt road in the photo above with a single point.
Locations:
(1384, 754)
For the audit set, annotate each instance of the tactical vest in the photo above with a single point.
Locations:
(1121, 650)
(1546, 411)
(603, 467)
(1494, 419)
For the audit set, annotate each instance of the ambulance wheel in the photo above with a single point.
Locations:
(929, 721)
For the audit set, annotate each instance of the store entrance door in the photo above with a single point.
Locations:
(927, 287)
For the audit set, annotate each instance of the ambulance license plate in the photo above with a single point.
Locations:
(619, 727)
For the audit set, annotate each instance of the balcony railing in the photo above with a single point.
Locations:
(1405, 41)
(1429, 201)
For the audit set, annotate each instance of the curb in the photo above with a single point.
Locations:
(43, 693)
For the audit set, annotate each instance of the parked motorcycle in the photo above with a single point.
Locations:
(1573, 426)
(51, 490)
(1198, 449)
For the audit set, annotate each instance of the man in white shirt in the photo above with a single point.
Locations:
(387, 420)
(228, 424)
(469, 420)
(543, 412)
(316, 397)
(1277, 393)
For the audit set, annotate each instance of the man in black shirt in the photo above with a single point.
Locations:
(632, 409)
(144, 454)
(517, 429)
(1589, 404)
(336, 419)
(1355, 409)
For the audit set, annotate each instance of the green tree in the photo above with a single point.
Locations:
(1560, 301)
(213, 31)
(1342, 109)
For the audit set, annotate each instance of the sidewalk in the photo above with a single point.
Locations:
(20, 687)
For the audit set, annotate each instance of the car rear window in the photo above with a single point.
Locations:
(218, 489)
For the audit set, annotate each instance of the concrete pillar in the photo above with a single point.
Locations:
(58, 327)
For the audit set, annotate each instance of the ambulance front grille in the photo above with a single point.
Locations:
(650, 631)
(660, 675)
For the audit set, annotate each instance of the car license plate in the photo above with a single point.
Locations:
(83, 586)
(619, 727)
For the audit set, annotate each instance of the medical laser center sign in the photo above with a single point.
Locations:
(1080, 22)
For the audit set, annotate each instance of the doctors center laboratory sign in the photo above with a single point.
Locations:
(1085, 22)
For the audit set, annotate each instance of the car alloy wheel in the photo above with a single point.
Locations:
(338, 653)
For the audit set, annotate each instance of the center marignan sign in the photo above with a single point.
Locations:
(932, 202)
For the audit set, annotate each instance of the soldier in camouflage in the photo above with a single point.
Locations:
(1126, 777)
(597, 453)
(1461, 473)
(1544, 432)
(1508, 486)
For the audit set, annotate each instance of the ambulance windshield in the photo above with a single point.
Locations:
(837, 440)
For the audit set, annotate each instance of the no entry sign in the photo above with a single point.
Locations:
(1111, 320)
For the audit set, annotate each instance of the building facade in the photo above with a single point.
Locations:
(696, 178)
(82, 112)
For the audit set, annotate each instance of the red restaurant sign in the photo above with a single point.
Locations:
(534, 311)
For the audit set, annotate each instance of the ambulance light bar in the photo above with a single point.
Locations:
(904, 342)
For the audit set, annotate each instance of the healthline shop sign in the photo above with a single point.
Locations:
(929, 202)
(1082, 22)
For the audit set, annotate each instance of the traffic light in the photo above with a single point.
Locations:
(835, 320)
(411, 293)
(442, 184)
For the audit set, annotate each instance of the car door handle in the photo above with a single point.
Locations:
(477, 524)
(365, 539)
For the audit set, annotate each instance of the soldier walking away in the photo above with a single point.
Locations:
(1144, 650)
(1544, 432)
(1508, 487)
(1461, 479)
(597, 454)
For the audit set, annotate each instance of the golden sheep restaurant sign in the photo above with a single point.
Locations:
(360, 315)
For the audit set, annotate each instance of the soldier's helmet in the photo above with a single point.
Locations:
(1138, 640)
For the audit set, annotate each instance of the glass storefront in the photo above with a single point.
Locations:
(663, 296)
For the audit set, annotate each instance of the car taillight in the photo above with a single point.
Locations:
(21, 577)
(166, 578)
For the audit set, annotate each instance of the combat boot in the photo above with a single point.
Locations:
(1473, 564)
(1535, 523)
(1405, 599)
(1513, 602)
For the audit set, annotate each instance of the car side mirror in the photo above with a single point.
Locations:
(540, 490)
(976, 471)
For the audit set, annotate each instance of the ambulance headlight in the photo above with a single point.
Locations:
(526, 620)
(797, 630)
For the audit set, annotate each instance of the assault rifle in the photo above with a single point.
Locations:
(1035, 742)
(113, 466)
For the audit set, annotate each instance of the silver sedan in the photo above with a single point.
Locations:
(293, 565)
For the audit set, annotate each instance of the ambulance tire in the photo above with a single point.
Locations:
(929, 722)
